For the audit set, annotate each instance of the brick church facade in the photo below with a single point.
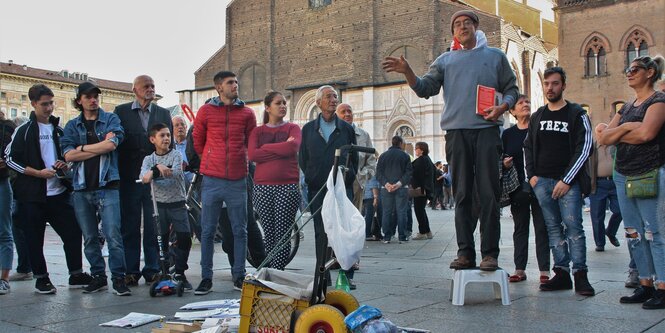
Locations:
(295, 46)
(598, 39)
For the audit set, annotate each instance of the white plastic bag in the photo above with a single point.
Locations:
(343, 223)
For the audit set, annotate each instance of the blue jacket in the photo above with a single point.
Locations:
(394, 165)
(75, 135)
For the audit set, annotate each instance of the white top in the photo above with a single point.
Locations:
(47, 146)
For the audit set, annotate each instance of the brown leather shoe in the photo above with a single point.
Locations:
(462, 262)
(489, 264)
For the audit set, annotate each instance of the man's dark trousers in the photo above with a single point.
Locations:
(605, 191)
(475, 156)
(134, 198)
(56, 210)
(319, 231)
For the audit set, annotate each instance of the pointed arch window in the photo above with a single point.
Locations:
(601, 62)
(590, 64)
(631, 53)
(252, 83)
(595, 58)
(637, 46)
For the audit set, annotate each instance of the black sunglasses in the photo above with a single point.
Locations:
(633, 70)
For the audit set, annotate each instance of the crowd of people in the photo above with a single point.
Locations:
(97, 169)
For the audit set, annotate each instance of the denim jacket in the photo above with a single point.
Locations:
(75, 135)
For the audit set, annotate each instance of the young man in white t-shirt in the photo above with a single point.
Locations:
(40, 191)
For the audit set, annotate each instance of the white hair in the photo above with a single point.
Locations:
(184, 120)
(319, 92)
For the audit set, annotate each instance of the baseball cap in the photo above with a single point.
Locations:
(86, 88)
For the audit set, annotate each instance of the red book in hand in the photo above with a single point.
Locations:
(486, 97)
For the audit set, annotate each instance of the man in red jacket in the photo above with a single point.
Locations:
(221, 132)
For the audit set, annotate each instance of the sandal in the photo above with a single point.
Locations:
(517, 278)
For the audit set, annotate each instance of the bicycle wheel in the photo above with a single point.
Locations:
(294, 239)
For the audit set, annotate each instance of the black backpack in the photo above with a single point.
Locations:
(192, 156)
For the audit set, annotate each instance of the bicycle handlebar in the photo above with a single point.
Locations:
(354, 148)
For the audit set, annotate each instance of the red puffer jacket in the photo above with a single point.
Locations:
(221, 133)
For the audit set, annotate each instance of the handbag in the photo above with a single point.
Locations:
(416, 192)
(509, 183)
(642, 186)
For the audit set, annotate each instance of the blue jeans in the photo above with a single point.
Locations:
(134, 200)
(20, 242)
(394, 208)
(6, 240)
(644, 228)
(371, 228)
(605, 190)
(563, 218)
(214, 192)
(106, 203)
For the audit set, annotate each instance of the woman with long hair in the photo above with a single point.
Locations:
(639, 134)
(423, 179)
(274, 148)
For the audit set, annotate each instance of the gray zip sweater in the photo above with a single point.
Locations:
(460, 72)
(167, 189)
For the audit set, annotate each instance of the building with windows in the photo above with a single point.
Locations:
(295, 46)
(16, 80)
(599, 39)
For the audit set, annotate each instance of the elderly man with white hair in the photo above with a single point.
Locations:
(320, 138)
(180, 127)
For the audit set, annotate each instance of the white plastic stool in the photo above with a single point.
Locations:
(462, 277)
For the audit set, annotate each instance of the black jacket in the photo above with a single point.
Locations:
(423, 175)
(581, 147)
(316, 156)
(394, 165)
(136, 144)
(6, 130)
(24, 152)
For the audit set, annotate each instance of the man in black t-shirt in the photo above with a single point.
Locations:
(90, 142)
(556, 151)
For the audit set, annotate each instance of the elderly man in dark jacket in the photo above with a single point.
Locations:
(320, 138)
(136, 118)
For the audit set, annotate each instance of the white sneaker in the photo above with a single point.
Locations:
(4, 287)
(420, 236)
(16, 276)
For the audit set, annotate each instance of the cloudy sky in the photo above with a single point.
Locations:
(115, 40)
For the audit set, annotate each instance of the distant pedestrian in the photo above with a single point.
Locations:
(423, 180)
(603, 191)
(394, 172)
